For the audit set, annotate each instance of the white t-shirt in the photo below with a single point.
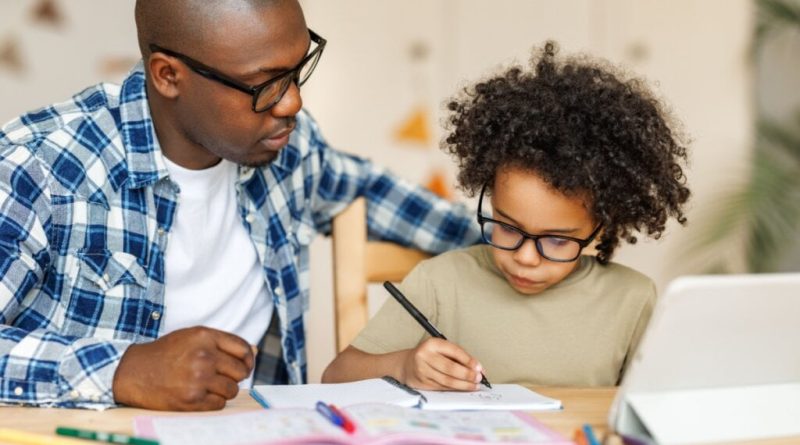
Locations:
(213, 276)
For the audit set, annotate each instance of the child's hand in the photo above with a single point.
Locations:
(440, 365)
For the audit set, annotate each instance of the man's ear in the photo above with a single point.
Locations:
(165, 72)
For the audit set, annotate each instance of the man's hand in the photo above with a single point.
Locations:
(193, 369)
(440, 365)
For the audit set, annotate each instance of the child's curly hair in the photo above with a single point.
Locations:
(586, 131)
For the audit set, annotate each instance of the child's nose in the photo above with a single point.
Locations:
(527, 254)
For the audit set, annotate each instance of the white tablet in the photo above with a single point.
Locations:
(719, 361)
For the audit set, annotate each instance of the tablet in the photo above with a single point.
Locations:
(720, 360)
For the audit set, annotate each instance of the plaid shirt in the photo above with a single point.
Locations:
(86, 208)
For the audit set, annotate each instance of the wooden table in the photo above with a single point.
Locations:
(581, 405)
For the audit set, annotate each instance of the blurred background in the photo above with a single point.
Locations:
(729, 69)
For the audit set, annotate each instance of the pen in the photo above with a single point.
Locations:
(590, 436)
(102, 436)
(328, 413)
(347, 424)
(417, 315)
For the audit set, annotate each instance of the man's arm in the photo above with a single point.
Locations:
(192, 369)
(397, 210)
(40, 366)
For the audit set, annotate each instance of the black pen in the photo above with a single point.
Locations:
(411, 309)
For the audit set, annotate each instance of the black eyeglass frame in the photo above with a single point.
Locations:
(525, 235)
(215, 75)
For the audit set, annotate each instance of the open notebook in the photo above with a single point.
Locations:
(390, 391)
(379, 424)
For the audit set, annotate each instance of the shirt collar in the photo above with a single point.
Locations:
(142, 150)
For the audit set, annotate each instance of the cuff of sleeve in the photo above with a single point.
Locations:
(87, 373)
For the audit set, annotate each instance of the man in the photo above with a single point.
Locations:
(151, 232)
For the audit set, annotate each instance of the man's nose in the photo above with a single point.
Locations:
(290, 104)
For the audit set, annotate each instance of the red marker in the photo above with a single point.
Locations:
(348, 425)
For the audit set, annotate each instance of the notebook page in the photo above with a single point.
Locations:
(339, 394)
(501, 396)
(393, 424)
(256, 427)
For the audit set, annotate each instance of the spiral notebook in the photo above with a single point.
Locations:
(375, 424)
(389, 391)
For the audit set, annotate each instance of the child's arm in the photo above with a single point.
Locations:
(434, 364)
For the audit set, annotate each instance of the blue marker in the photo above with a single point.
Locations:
(328, 413)
(590, 436)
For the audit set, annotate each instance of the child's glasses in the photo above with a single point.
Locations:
(559, 248)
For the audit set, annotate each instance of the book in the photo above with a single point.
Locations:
(375, 424)
(389, 391)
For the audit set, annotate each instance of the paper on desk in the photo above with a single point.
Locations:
(339, 394)
(502, 396)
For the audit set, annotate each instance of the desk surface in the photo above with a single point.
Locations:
(581, 405)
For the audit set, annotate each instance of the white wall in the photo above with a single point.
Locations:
(366, 83)
(60, 60)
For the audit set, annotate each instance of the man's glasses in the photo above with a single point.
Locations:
(558, 248)
(266, 94)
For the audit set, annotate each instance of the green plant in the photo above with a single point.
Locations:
(763, 213)
(775, 16)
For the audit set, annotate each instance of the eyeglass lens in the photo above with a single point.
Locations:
(272, 93)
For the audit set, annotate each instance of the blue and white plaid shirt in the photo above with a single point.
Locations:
(86, 208)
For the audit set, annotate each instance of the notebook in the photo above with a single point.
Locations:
(376, 424)
(390, 391)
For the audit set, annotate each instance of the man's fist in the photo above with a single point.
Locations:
(192, 369)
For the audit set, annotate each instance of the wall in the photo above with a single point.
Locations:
(367, 82)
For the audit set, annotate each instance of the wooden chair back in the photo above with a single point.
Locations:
(357, 263)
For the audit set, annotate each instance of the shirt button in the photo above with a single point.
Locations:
(106, 277)
(155, 315)
(160, 231)
(18, 391)
(74, 394)
(250, 218)
(278, 291)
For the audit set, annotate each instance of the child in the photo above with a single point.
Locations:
(566, 155)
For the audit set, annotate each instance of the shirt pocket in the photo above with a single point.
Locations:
(106, 295)
(107, 270)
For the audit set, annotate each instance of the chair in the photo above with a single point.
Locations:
(356, 263)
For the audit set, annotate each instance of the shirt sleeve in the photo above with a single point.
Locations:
(397, 210)
(641, 325)
(394, 329)
(38, 366)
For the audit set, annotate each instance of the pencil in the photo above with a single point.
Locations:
(18, 437)
(417, 315)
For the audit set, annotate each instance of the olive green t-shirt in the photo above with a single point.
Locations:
(579, 332)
